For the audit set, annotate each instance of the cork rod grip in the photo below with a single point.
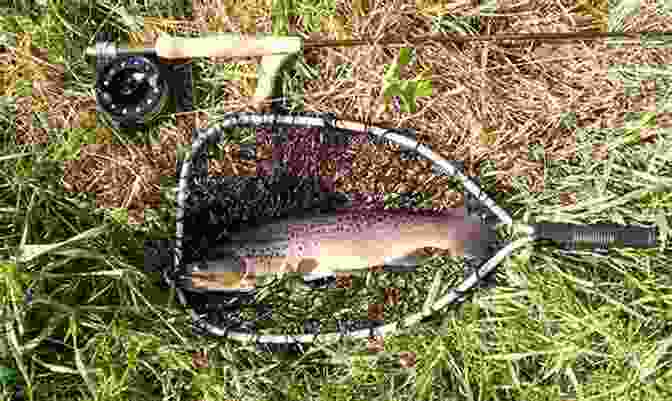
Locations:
(225, 45)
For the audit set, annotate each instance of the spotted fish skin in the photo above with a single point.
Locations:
(342, 240)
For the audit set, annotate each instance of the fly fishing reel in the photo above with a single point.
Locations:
(135, 86)
(131, 90)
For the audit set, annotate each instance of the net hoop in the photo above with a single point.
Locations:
(328, 123)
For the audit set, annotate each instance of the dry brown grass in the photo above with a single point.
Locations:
(129, 176)
(519, 90)
(514, 91)
(26, 62)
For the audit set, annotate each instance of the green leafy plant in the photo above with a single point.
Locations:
(24, 88)
(405, 90)
(69, 148)
(7, 376)
(466, 25)
(336, 392)
(119, 215)
(344, 71)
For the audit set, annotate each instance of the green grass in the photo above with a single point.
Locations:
(595, 327)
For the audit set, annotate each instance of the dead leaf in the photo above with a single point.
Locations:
(407, 359)
(199, 360)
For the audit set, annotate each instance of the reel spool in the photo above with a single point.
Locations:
(134, 89)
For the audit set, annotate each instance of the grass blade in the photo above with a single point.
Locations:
(30, 252)
(16, 352)
(82, 369)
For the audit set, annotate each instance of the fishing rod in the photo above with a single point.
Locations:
(137, 84)
(260, 45)
(455, 38)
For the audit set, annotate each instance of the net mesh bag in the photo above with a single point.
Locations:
(285, 311)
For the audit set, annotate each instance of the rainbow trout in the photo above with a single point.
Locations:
(338, 241)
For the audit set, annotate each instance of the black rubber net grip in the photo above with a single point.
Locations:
(596, 236)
